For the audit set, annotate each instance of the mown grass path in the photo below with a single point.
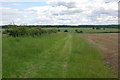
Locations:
(52, 56)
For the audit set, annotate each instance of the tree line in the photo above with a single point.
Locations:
(67, 26)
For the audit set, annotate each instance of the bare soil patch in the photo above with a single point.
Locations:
(108, 45)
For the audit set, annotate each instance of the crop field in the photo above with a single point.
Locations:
(59, 55)
(108, 45)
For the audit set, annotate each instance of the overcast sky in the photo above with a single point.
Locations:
(56, 12)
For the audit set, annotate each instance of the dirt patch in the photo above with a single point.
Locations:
(108, 45)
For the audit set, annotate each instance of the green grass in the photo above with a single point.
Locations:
(58, 55)
(85, 30)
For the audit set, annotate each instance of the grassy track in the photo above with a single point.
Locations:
(52, 56)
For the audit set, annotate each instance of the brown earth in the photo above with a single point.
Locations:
(108, 45)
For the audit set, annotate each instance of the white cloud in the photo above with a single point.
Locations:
(20, 0)
(66, 12)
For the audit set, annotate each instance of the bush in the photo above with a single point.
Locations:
(76, 30)
(97, 28)
(65, 30)
(5, 32)
(59, 30)
(80, 31)
(52, 30)
(18, 31)
(93, 27)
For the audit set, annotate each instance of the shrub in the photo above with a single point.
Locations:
(52, 30)
(25, 31)
(76, 30)
(80, 31)
(93, 27)
(59, 30)
(65, 30)
(97, 28)
(5, 32)
(17, 31)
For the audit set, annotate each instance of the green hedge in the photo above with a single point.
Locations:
(25, 31)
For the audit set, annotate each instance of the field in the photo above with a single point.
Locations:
(60, 55)
(108, 46)
(90, 30)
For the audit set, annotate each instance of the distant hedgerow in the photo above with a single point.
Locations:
(22, 30)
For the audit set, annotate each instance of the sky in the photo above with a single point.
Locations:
(59, 12)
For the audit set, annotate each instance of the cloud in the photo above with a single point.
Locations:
(62, 3)
(14, 15)
(65, 12)
(20, 0)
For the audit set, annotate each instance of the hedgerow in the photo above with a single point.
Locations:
(22, 30)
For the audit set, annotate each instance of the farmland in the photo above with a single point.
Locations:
(46, 53)
(108, 46)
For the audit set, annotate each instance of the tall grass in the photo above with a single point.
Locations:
(52, 56)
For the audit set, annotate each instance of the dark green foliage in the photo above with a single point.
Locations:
(97, 27)
(65, 30)
(93, 27)
(70, 26)
(58, 30)
(22, 30)
(51, 30)
(5, 32)
(80, 31)
(76, 30)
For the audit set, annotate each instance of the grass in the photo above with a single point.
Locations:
(58, 55)
(85, 30)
